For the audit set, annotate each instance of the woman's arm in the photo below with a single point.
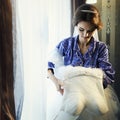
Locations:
(56, 81)
(105, 65)
(55, 60)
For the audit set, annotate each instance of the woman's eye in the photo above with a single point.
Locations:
(81, 30)
(89, 31)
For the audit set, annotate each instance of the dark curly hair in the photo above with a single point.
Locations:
(87, 13)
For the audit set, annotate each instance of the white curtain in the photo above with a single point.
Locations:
(59, 21)
(59, 17)
(18, 62)
(43, 23)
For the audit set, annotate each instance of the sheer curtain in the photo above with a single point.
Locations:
(43, 23)
(18, 62)
(59, 17)
(59, 21)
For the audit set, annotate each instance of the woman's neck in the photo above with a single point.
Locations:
(83, 47)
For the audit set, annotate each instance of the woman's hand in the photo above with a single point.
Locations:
(59, 86)
(58, 83)
(61, 90)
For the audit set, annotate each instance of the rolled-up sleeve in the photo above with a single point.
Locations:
(51, 65)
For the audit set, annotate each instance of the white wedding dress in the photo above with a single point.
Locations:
(84, 97)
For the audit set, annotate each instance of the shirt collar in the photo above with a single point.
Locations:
(92, 44)
(76, 38)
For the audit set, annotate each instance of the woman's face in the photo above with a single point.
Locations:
(86, 31)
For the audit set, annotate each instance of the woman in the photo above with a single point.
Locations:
(82, 50)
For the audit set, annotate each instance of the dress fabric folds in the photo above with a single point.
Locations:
(84, 97)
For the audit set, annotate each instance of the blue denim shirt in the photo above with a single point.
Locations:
(95, 57)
